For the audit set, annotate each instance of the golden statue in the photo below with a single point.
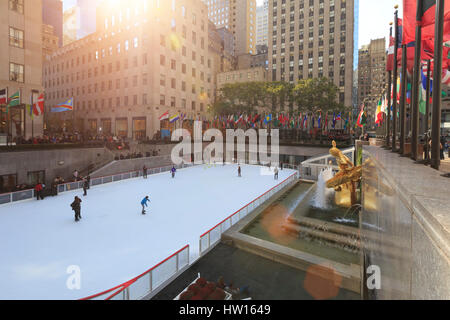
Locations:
(344, 182)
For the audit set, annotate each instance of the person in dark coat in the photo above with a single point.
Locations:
(88, 179)
(173, 171)
(144, 172)
(239, 171)
(85, 186)
(76, 206)
(38, 189)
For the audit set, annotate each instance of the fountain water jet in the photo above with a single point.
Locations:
(323, 194)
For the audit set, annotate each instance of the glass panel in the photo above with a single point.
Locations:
(61, 188)
(5, 198)
(234, 219)
(204, 243)
(126, 176)
(22, 195)
(215, 235)
(140, 288)
(163, 272)
(107, 179)
(117, 177)
(96, 181)
(72, 186)
(183, 258)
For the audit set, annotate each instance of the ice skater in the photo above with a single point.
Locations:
(144, 172)
(276, 173)
(38, 190)
(144, 203)
(85, 186)
(173, 171)
(239, 172)
(76, 206)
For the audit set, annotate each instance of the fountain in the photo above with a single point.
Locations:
(323, 194)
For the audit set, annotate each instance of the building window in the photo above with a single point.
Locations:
(16, 72)
(15, 37)
(16, 5)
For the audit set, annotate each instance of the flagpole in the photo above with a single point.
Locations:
(437, 86)
(394, 103)
(427, 111)
(403, 86)
(415, 93)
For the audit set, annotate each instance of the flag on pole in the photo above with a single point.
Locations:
(13, 101)
(3, 96)
(164, 116)
(268, 119)
(390, 58)
(378, 114)
(362, 119)
(66, 106)
(174, 118)
(38, 106)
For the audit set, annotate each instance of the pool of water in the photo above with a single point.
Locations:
(297, 202)
(331, 213)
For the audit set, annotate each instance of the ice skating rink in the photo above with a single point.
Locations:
(114, 242)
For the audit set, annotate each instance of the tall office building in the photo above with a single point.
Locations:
(262, 24)
(21, 65)
(52, 14)
(88, 16)
(146, 58)
(239, 16)
(71, 25)
(49, 40)
(310, 39)
(371, 75)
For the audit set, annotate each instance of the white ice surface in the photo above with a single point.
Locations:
(114, 242)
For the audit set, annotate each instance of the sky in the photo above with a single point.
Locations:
(374, 18)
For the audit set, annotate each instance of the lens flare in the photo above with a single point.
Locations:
(322, 282)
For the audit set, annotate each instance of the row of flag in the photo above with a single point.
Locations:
(422, 13)
(35, 108)
(279, 120)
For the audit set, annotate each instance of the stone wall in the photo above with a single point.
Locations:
(406, 226)
(55, 163)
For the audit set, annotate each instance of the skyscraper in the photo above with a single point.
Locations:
(372, 75)
(262, 24)
(311, 39)
(88, 9)
(52, 14)
(239, 16)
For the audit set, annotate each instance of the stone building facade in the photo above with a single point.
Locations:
(146, 58)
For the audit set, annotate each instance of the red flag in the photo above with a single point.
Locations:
(409, 21)
(38, 106)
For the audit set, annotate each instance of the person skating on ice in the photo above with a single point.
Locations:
(85, 186)
(239, 171)
(144, 203)
(173, 170)
(144, 172)
(276, 173)
(76, 206)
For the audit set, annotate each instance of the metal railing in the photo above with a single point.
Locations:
(148, 282)
(212, 237)
(70, 186)
(311, 168)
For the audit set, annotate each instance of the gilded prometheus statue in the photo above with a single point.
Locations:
(344, 182)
